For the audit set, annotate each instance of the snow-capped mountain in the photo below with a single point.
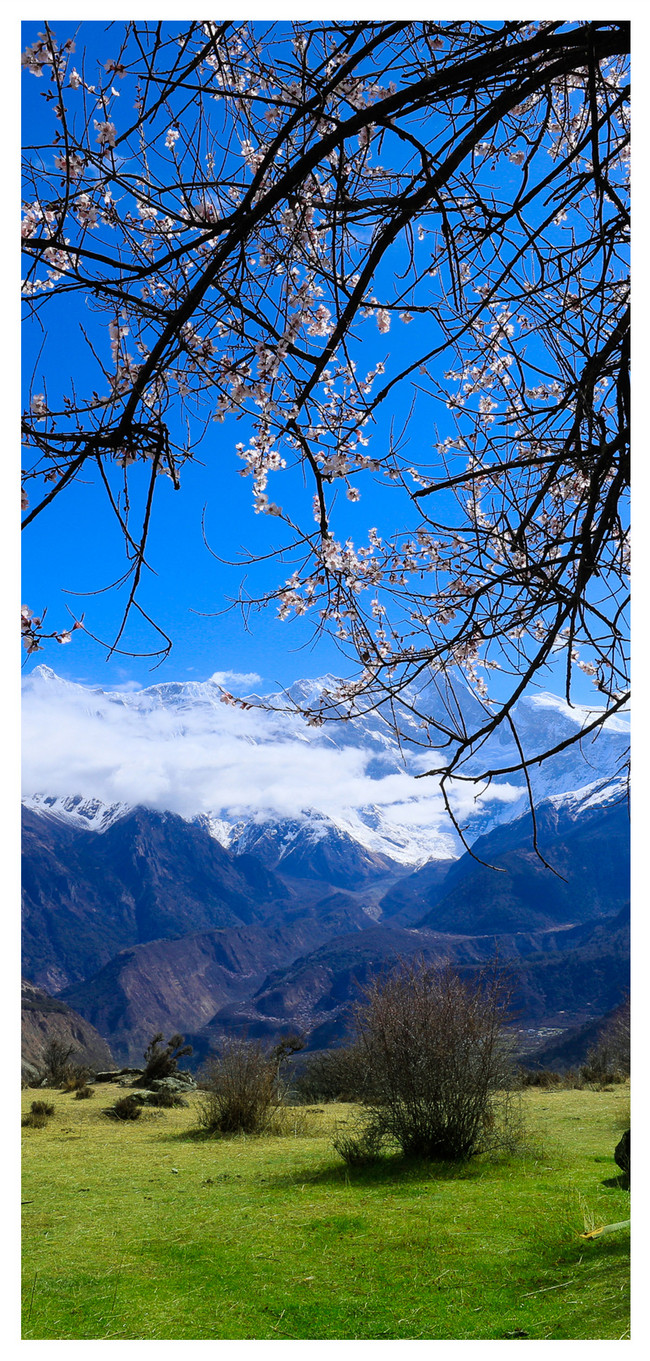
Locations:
(261, 779)
(92, 814)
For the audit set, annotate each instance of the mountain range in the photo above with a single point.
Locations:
(193, 866)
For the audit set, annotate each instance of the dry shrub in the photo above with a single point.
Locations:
(42, 1108)
(33, 1121)
(438, 1059)
(359, 1141)
(83, 1093)
(243, 1087)
(38, 1116)
(240, 1093)
(127, 1108)
(333, 1075)
(75, 1078)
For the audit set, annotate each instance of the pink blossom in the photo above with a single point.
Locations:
(106, 133)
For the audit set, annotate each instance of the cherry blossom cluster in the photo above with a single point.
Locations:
(252, 249)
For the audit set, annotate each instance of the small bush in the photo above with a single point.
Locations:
(127, 1108)
(358, 1143)
(38, 1116)
(75, 1078)
(240, 1092)
(42, 1108)
(161, 1060)
(82, 1093)
(33, 1121)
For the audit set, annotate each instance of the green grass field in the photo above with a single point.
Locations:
(145, 1231)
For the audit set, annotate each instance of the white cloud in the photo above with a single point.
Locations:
(199, 755)
(236, 679)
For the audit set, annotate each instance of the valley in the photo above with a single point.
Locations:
(210, 916)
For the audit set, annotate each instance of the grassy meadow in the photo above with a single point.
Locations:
(146, 1230)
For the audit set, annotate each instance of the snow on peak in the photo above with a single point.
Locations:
(91, 754)
(90, 814)
(598, 794)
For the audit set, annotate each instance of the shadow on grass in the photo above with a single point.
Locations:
(195, 1135)
(389, 1167)
(387, 1170)
(620, 1183)
(614, 1247)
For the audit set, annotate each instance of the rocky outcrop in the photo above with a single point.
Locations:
(622, 1154)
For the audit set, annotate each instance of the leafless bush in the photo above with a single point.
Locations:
(438, 1059)
(42, 1108)
(56, 1062)
(33, 1121)
(335, 1075)
(359, 1142)
(127, 1108)
(608, 1060)
(240, 1089)
(75, 1078)
(38, 1116)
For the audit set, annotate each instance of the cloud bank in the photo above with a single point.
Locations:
(198, 755)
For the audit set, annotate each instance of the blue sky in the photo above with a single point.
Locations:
(74, 547)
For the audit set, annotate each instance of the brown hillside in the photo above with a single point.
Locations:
(45, 1018)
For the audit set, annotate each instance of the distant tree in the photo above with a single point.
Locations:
(284, 1050)
(56, 1062)
(609, 1058)
(438, 1058)
(332, 1075)
(282, 199)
